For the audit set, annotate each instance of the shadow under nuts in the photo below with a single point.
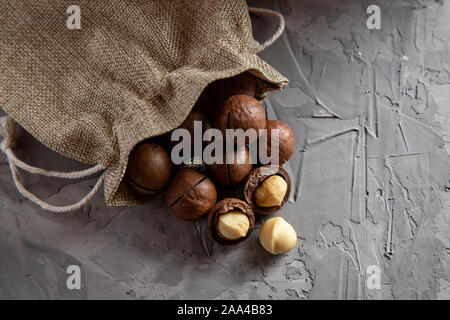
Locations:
(205, 105)
(222, 89)
(228, 175)
(149, 168)
(231, 221)
(267, 189)
(286, 139)
(240, 112)
(190, 195)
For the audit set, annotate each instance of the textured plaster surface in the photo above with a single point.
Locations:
(371, 115)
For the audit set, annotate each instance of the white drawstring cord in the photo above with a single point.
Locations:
(280, 27)
(7, 130)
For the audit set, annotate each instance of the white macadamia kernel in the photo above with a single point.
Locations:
(277, 236)
(233, 225)
(271, 192)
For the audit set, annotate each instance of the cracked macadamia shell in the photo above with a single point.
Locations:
(190, 195)
(224, 206)
(256, 178)
(240, 112)
(149, 168)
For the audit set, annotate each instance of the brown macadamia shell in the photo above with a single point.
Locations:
(256, 178)
(190, 195)
(240, 112)
(286, 139)
(230, 175)
(149, 168)
(224, 206)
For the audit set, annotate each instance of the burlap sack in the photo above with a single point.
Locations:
(133, 71)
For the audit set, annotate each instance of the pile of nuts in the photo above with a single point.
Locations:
(192, 193)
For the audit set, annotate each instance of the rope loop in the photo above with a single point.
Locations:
(7, 131)
(278, 32)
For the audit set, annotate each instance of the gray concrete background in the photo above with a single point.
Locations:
(371, 114)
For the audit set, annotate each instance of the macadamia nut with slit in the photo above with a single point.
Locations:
(190, 195)
(149, 168)
(241, 112)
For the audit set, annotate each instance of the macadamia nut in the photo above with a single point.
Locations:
(233, 225)
(231, 174)
(257, 178)
(277, 236)
(190, 195)
(271, 192)
(241, 112)
(286, 142)
(149, 168)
